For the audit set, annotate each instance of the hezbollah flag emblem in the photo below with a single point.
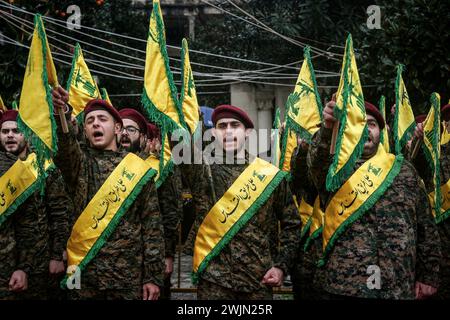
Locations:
(351, 114)
(160, 93)
(35, 118)
(305, 108)
(404, 123)
(80, 85)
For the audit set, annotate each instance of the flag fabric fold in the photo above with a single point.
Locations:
(81, 85)
(35, 119)
(384, 135)
(404, 122)
(351, 115)
(159, 97)
(305, 108)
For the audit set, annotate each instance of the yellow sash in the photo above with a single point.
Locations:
(445, 206)
(17, 184)
(305, 211)
(103, 213)
(357, 195)
(237, 206)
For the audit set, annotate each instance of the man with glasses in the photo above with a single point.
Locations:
(134, 139)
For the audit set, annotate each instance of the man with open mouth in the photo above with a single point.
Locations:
(116, 248)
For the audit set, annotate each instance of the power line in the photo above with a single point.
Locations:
(29, 24)
(50, 19)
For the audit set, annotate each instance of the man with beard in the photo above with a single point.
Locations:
(423, 167)
(46, 218)
(134, 134)
(134, 139)
(116, 244)
(238, 253)
(384, 246)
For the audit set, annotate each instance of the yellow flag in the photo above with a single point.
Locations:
(2, 105)
(384, 137)
(305, 108)
(432, 148)
(165, 159)
(189, 103)
(160, 93)
(35, 118)
(404, 122)
(288, 145)
(80, 85)
(105, 95)
(351, 113)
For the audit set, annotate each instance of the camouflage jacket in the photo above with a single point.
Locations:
(242, 264)
(397, 235)
(171, 206)
(134, 253)
(426, 174)
(40, 224)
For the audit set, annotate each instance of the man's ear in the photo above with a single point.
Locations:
(247, 132)
(117, 128)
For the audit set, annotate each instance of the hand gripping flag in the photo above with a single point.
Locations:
(160, 93)
(404, 123)
(305, 108)
(80, 84)
(35, 118)
(351, 115)
(384, 137)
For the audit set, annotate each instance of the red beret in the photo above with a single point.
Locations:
(153, 131)
(445, 112)
(228, 111)
(9, 115)
(134, 115)
(373, 111)
(420, 118)
(98, 104)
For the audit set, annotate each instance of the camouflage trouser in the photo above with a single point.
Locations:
(37, 288)
(165, 291)
(5, 294)
(108, 294)
(210, 291)
(444, 285)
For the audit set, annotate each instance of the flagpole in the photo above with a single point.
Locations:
(334, 137)
(64, 126)
(416, 149)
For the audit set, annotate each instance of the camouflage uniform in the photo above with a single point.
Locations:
(424, 171)
(171, 207)
(46, 238)
(134, 253)
(14, 234)
(397, 234)
(305, 280)
(241, 265)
